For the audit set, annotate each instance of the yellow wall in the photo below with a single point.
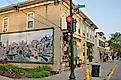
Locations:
(18, 22)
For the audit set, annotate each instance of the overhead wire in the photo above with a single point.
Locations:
(39, 15)
(26, 13)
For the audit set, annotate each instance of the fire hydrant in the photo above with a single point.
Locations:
(87, 74)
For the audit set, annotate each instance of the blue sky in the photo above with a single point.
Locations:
(105, 13)
(29, 36)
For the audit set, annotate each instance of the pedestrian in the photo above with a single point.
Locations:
(117, 55)
(104, 59)
(107, 57)
(90, 57)
(110, 58)
(113, 57)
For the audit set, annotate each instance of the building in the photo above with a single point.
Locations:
(100, 46)
(36, 27)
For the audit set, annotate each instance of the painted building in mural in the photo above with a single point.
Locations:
(32, 31)
(33, 46)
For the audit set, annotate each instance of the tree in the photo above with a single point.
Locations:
(115, 41)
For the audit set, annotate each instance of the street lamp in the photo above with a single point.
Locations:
(72, 75)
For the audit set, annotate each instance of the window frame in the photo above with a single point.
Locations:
(4, 24)
(79, 27)
(30, 20)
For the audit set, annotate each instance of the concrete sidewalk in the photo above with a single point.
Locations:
(80, 73)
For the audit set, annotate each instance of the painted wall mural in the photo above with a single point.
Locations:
(32, 46)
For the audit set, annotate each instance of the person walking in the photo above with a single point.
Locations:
(113, 57)
(110, 58)
(90, 57)
(107, 58)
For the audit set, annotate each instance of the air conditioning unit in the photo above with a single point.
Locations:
(5, 30)
(63, 23)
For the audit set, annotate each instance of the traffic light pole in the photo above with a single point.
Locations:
(72, 75)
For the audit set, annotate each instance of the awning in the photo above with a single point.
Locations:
(102, 51)
(90, 44)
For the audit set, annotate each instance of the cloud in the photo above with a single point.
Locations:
(29, 36)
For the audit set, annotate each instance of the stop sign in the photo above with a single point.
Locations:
(68, 18)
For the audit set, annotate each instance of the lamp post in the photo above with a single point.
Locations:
(72, 75)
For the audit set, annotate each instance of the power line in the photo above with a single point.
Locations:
(16, 7)
(41, 16)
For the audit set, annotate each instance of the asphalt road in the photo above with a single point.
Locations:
(117, 73)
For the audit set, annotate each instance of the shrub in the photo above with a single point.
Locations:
(2, 67)
(38, 74)
(39, 69)
(14, 69)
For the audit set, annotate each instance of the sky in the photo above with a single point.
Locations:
(105, 13)
(26, 36)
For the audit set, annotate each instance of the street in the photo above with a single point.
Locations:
(117, 73)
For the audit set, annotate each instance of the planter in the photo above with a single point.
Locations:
(7, 74)
(18, 76)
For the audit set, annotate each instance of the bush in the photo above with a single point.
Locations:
(14, 69)
(39, 69)
(38, 74)
(2, 67)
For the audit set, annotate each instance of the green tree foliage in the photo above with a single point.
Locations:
(115, 41)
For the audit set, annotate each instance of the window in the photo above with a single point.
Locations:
(79, 27)
(5, 24)
(83, 28)
(93, 34)
(101, 43)
(65, 13)
(30, 18)
(87, 31)
(90, 33)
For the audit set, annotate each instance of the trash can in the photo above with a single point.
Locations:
(95, 72)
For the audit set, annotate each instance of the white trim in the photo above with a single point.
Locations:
(27, 20)
(3, 24)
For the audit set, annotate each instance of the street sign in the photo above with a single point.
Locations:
(78, 6)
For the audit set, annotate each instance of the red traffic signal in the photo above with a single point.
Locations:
(68, 18)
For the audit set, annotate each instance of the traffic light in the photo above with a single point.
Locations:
(65, 37)
(68, 20)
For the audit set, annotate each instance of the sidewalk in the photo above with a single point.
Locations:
(80, 73)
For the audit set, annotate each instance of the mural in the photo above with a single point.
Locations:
(32, 46)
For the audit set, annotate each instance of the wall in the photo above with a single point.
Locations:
(18, 22)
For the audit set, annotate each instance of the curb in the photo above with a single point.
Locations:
(111, 72)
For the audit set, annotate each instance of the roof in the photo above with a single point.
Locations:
(33, 2)
(22, 4)
(89, 20)
(84, 15)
